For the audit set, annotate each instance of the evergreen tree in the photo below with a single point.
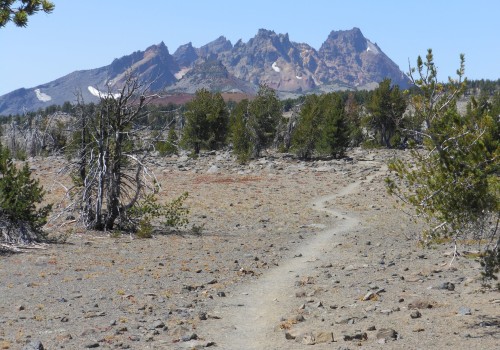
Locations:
(20, 219)
(307, 130)
(322, 127)
(18, 11)
(453, 182)
(240, 133)
(334, 136)
(207, 121)
(385, 111)
(264, 115)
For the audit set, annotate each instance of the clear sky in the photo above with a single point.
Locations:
(85, 34)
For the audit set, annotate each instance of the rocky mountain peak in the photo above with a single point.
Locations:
(345, 60)
(342, 41)
(219, 45)
(278, 41)
(185, 55)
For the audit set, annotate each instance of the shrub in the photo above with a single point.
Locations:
(20, 219)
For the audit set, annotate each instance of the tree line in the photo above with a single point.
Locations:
(452, 181)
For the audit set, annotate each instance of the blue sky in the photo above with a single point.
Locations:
(89, 34)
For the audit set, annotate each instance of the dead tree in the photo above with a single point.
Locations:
(110, 171)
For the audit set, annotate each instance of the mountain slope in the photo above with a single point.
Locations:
(154, 66)
(346, 60)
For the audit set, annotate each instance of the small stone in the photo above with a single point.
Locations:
(158, 324)
(447, 286)
(134, 337)
(188, 337)
(64, 319)
(323, 337)
(369, 296)
(202, 316)
(387, 334)
(289, 336)
(356, 336)
(34, 345)
(214, 169)
(415, 314)
(91, 345)
(221, 294)
(371, 328)
(463, 311)
(308, 339)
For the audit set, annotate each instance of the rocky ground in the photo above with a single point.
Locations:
(279, 254)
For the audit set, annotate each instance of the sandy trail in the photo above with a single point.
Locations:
(250, 315)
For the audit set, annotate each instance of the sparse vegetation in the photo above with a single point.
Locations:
(453, 181)
(21, 221)
(113, 188)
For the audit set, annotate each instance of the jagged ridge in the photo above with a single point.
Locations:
(345, 60)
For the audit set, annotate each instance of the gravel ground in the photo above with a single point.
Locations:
(290, 255)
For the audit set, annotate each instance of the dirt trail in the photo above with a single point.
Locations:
(250, 315)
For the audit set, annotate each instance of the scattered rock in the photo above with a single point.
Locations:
(214, 169)
(446, 286)
(157, 324)
(463, 311)
(188, 337)
(308, 339)
(323, 337)
(356, 336)
(415, 314)
(34, 345)
(387, 334)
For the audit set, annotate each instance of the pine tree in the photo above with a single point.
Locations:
(453, 182)
(21, 221)
(240, 133)
(207, 121)
(307, 131)
(264, 116)
(334, 133)
(18, 11)
(322, 127)
(385, 112)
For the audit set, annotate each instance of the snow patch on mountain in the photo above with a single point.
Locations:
(181, 73)
(371, 47)
(100, 94)
(275, 67)
(42, 96)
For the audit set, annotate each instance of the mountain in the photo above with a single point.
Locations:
(346, 60)
(349, 57)
(155, 65)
